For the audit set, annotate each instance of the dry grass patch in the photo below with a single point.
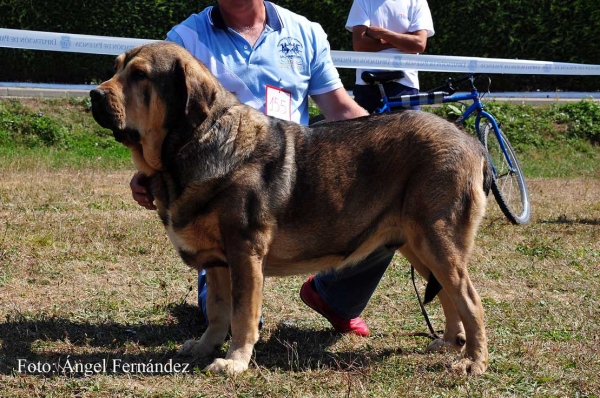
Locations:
(87, 276)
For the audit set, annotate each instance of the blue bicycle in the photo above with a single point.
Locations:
(509, 186)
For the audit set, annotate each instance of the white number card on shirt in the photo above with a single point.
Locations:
(279, 103)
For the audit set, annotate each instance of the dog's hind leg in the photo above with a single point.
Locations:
(218, 308)
(444, 250)
(454, 333)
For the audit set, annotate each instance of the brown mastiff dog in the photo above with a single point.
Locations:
(245, 196)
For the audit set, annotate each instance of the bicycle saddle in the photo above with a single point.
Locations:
(381, 77)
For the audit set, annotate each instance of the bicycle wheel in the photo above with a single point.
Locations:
(509, 186)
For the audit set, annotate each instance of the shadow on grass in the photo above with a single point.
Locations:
(31, 340)
(291, 348)
(567, 221)
(28, 342)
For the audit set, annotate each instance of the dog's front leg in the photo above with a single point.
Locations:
(246, 269)
(218, 308)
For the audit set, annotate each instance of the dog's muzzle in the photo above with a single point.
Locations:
(101, 110)
(103, 115)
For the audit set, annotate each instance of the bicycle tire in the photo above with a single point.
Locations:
(509, 187)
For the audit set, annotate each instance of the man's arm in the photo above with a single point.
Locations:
(373, 39)
(338, 105)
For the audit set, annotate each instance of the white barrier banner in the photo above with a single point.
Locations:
(441, 63)
(63, 42)
(50, 41)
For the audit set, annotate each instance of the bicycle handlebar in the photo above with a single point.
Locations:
(449, 84)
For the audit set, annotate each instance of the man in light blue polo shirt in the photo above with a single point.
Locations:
(273, 59)
(289, 53)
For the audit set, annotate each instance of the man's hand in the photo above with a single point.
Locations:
(377, 33)
(140, 191)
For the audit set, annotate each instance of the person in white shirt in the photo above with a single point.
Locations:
(390, 26)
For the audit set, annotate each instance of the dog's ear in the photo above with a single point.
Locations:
(193, 90)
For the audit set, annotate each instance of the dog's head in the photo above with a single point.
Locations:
(156, 89)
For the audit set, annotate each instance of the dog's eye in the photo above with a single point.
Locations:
(139, 74)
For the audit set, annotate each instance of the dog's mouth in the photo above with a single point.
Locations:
(105, 117)
(127, 136)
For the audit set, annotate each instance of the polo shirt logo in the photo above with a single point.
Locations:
(290, 53)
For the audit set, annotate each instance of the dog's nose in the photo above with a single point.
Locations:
(97, 94)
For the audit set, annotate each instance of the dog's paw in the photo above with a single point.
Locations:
(466, 366)
(228, 366)
(440, 345)
(193, 348)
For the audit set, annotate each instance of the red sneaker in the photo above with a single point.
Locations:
(311, 298)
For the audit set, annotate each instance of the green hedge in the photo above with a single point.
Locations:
(140, 19)
(544, 30)
(551, 30)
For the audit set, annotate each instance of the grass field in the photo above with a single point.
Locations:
(91, 291)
